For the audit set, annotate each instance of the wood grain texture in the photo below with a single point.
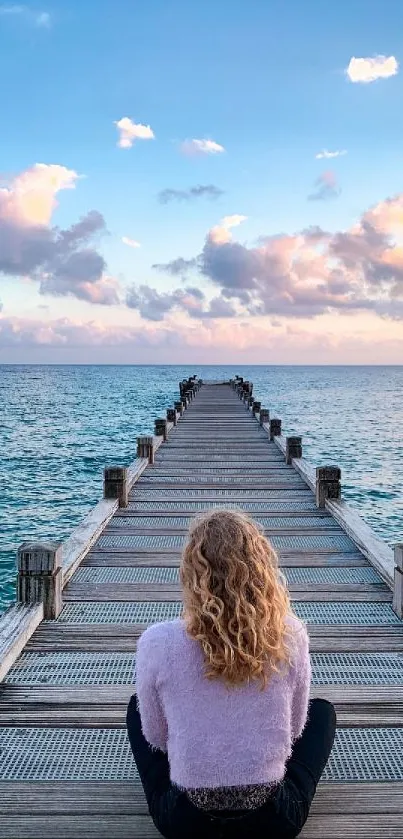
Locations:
(144, 592)
(17, 625)
(85, 535)
(88, 797)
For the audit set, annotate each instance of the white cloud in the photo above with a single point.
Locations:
(31, 197)
(41, 19)
(130, 242)
(327, 155)
(195, 147)
(219, 234)
(366, 70)
(129, 131)
(232, 221)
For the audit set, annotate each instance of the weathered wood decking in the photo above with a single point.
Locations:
(65, 765)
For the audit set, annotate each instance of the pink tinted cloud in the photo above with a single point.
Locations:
(312, 272)
(63, 262)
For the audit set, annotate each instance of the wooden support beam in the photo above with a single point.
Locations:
(146, 447)
(116, 484)
(398, 581)
(171, 416)
(40, 576)
(275, 428)
(161, 428)
(264, 416)
(256, 406)
(293, 449)
(179, 407)
(328, 484)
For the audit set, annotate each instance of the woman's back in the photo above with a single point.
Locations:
(217, 734)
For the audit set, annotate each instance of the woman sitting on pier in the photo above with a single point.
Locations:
(224, 737)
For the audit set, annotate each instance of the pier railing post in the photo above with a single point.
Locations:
(398, 581)
(328, 484)
(179, 407)
(293, 449)
(146, 447)
(171, 416)
(115, 484)
(250, 400)
(264, 416)
(256, 407)
(161, 429)
(275, 428)
(40, 576)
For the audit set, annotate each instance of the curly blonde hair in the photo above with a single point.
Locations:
(235, 599)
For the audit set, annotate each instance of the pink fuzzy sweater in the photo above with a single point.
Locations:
(218, 736)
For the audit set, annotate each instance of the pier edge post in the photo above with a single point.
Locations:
(179, 407)
(115, 484)
(256, 406)
(161, 428)
(275, 428)
(171, 416)
(293, 449)
(398, 581)
(328, 484)
(264, 416)
(40, 576)
(146, 448)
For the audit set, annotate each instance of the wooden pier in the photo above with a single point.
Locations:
(67, 648)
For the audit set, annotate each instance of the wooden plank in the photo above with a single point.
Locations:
(17, 625)
(13, 697)
(126, 512)
(85, 535)
(89, 797)
(144, 592)
(101, 558)
(122, 637)
(129, 530)
(135, 470)
(356, 826)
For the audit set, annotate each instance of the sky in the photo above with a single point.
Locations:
(206, 182)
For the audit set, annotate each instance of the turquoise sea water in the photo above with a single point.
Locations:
(60, 425)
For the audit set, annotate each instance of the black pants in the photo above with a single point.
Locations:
(281, 817)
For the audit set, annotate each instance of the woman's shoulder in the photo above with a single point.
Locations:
(158, 633)
(297, 631)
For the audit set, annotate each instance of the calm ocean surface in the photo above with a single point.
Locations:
(60, 425)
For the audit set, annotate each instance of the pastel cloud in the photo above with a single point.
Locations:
(40, 19)
(154, 305)
(63, 262)
(31, 197)
(199, 191)
(200, 147)
(220, 233)
(130, 131)
(328, 155)
(365, 70)
(177, 267)
(312, 272)
(326, 187)
(24, 339)
(131, 243)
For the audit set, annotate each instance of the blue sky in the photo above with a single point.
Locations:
(267, 82)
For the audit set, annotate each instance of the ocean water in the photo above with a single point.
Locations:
(60, 425)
